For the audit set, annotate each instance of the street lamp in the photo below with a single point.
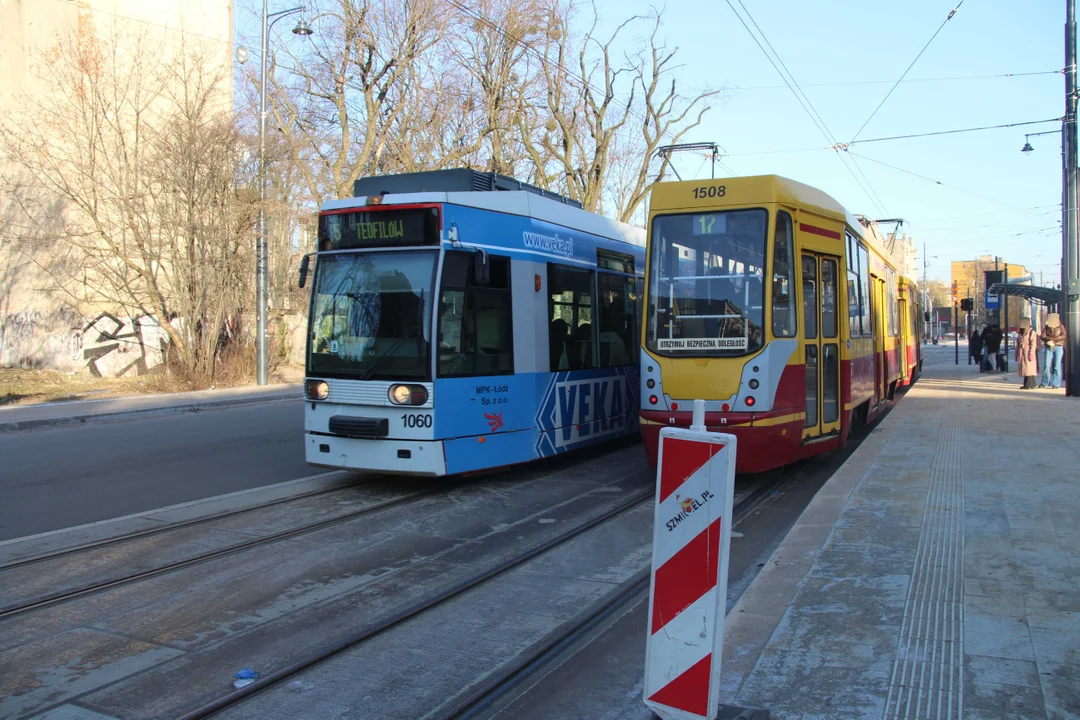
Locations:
(261, 259)
(1027, 145)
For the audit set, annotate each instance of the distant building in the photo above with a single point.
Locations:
(904, 254)
(970, 279)
(39, 326)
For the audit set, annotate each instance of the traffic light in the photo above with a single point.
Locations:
(966, 304)
(954, 293)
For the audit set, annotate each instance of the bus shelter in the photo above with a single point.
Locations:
(1050, 298)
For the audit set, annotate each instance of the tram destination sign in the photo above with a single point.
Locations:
(369, 228)
(735, 343)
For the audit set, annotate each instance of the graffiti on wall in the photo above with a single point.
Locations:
(118, 347)
(106, 346)
(32, 338)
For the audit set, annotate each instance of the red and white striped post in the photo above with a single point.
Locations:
(695, 483)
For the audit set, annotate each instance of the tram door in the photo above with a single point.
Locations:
(821, 342)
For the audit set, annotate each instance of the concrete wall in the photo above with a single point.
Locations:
(40, 326)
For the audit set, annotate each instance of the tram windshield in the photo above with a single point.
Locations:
(705, 283)
(371, 316)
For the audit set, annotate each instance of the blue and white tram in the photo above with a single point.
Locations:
(453, 331)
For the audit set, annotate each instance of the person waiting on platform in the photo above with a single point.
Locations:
(1053, 348)
(1026, 344)
(991, 337)
(975, 348)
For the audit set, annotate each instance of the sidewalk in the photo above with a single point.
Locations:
(25, 417)
(937, 574)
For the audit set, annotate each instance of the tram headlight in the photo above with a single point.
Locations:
(754, 384)
(408, 394)
(316, 390)
(650, 383)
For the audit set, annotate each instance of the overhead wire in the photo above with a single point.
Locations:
(800, 96)
(910, 80)
(997, 212)
(936, 182)
(950, 16)
(844, 146)
(951, 132)
(868, 188)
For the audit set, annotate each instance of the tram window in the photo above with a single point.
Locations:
(475, 322)
(615, 313)
(570, 309)
(893, 305)
(811, 386)
(864, 291)
(707, 288)
(830, 383)
(783, 310)
(854, 316)
(828, 298)
(810, 291)
(610, 260)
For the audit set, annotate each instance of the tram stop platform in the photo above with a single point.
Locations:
(936, 575)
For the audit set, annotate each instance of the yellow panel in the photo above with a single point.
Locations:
(718, 379)
(741, 192)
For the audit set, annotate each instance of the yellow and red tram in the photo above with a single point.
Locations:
(778, 308)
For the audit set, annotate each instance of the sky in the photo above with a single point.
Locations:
(964, 194)
(977, 194)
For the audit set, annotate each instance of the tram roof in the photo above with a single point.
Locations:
(754, 189)
(513, 202)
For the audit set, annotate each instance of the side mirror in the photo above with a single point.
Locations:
(926, 316)
(305, 263)
(481, 268)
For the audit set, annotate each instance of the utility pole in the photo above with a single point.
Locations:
(928, 328)
(1070, 272)
(956, 331)
(1005, 309)
(967, 322)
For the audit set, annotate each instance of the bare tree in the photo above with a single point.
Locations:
(348, 85)
(494, 51)
(135, 140)
(604, 116)
(668, 116)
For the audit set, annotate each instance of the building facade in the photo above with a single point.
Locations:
(969, 277)
(66, 326)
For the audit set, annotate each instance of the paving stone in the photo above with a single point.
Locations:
(1014, 650)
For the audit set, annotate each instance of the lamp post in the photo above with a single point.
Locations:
(261, 260)
(1070, 284)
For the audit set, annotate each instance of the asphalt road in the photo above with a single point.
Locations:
(58, 477)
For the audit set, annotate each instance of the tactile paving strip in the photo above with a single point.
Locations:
(928, 673)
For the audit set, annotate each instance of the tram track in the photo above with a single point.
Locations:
(275, 678)
(66, 595)
(505, 685)
(625, 594)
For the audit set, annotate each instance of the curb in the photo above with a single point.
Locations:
(20, 425)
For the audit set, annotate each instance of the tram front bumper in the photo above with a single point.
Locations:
(406, 457)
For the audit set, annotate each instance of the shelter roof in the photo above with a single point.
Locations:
(1041, 295)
